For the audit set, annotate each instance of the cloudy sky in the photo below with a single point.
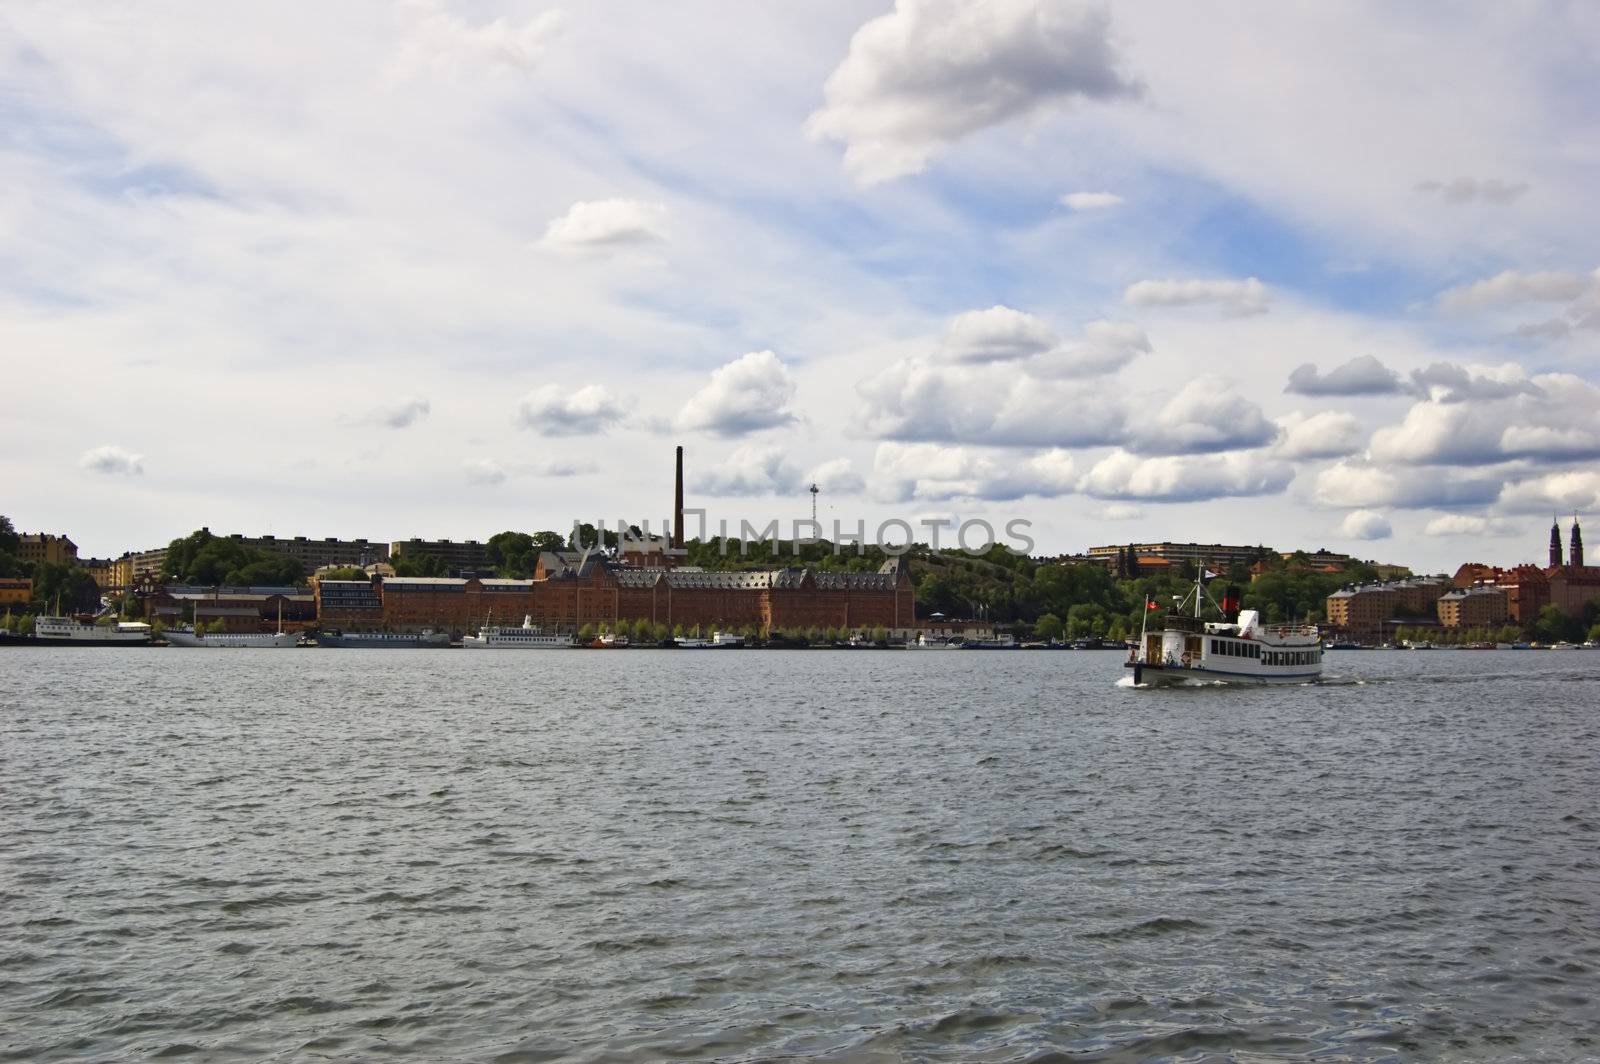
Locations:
(1228, 271)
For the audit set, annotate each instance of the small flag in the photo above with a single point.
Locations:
(1151, 604)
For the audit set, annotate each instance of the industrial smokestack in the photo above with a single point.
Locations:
(677, 506)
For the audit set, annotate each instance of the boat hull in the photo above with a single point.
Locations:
(377, 642)
(239, 641)
(8, 639)
(1180, 676)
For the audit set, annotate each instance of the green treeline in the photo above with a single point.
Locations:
(202, 558)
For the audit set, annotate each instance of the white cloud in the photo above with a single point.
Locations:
(556, 467)
(1362, 375)
(1105, 347)
(1446, 382)
(1001, 334)
(903, 472)
(1121, 475)
(402, 413)
(998, 334)
(112, 460)
(551, 411)
(1469, 525)
(1514, 286)
(1365, 524)
(1464, 190)
(836, 477)
(483, 471)
(1360, 484)
(1330, 434)
(766, 469)
(607, 223)
(934, 71)
(1565, 491)
(1119, 511)
(440, 41)
(914, 400)
(1205, 416)
(752, 469)
(1235, 298)
(1090, 201)
(1551, 417)
(751, 393)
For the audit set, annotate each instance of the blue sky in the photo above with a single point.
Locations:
(444, 268)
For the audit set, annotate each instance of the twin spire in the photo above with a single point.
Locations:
(1555, 541)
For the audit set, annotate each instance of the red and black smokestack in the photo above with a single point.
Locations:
(1230, 604)
(677, 506)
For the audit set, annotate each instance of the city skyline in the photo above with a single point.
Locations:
(443, 269)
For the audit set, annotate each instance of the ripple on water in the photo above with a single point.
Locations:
(822, 856)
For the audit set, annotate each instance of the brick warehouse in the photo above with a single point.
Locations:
(571, 590)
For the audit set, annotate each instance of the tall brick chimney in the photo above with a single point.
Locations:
(677, 506)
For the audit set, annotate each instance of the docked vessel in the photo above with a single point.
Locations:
(70, 632)
(192, 637)
(526, 636)
(718, 641)
(1237, 649)
(188, 637)
(383, 640)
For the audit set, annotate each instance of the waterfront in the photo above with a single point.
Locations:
(822, 855)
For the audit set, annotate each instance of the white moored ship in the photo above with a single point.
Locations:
(188, 637)
(69, 632)
(192, 637)
(527, 636)
(1188, 649)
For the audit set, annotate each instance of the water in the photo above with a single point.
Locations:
(843, 856)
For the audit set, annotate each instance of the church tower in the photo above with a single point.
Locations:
(1576, 542)
(1555, 542)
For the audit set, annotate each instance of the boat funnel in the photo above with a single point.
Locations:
(1230, 604)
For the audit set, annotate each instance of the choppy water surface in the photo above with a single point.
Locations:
(313, 855)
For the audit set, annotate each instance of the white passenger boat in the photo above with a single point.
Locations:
(1237, 649)
(527, 636)
(70, 632)
(188, 637)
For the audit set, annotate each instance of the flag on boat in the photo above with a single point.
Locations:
(1211, 575)
(1151, 604)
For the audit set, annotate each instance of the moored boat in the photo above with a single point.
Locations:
(382, 640)
(526, 636)
(70, 632)
(188, 637)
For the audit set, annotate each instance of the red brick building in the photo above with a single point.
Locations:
(572, 589)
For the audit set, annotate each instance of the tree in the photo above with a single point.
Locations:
(205, 559)
(346, 572)
(586, 634)
(1554, 626)
(1049, 627)
(10, 542)
(419, 565)
(71, 585)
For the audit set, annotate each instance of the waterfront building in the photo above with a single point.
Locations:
(102, 571)
(240, 609)
(36, 547)
(15, 591)
(1215, 555)
(571, 589)
(1364, 612)
(1483, 606)
(469, 556)
(314, 554)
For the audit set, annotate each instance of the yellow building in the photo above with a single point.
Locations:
(35, 547)
(1474, 607)
(15, 591)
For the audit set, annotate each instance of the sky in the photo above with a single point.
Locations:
(1313, 277)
